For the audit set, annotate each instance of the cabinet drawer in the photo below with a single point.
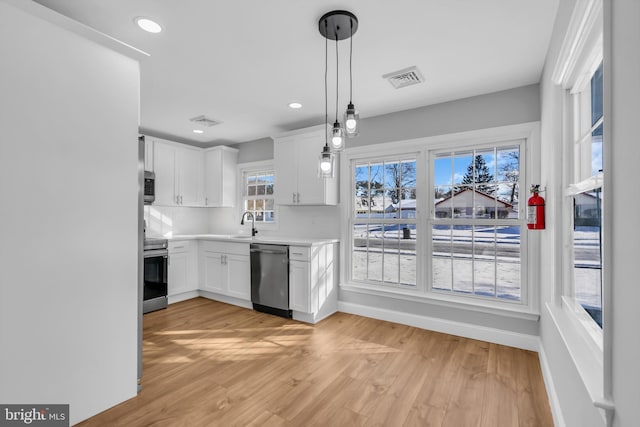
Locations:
(300, 253)
(225, 247)
(179, 245)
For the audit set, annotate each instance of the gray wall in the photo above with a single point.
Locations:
(513, 106)
(519, 105)
(508, 107)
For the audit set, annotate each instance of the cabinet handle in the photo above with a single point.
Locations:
(206, 200)
(298, 197)
(294, 197)
(297, 253)
(178, 247)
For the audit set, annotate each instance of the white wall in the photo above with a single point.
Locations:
(622, 153)
(68, 204)
(167, 221)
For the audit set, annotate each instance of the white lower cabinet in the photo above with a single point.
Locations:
(313, 293)
(183, 269)
(226, 269)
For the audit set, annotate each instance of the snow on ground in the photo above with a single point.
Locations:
(494, 273)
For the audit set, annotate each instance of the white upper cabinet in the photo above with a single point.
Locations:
(220, 176)
(190, 176)
(296, 166)
(164, 166)
(148, 154)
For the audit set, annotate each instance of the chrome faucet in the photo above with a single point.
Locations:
(254, 230)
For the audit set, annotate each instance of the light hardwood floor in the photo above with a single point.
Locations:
(211, 364)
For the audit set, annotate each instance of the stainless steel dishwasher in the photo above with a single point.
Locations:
(270, 279)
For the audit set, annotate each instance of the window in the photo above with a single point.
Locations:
(475, 224)
(586, 196)
(384, 222)
(258, 195)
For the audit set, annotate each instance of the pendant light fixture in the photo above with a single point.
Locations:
(337, 25)
(326, 168)
(351, 116)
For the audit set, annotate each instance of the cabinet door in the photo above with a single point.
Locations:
(213, 177)
(239, 276)
(178, 273)
(191, 177)
(220, 176)
(214, 272)
(286, 169)
(310, 187)
(148, 154)
(299, 298)
(164, 162)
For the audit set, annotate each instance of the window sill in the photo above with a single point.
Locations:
(584, 352)
(506, 309)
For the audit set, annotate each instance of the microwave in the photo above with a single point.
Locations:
(149, 187)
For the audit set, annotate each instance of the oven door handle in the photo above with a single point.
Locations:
(156, 253)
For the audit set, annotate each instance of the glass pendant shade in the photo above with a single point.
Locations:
(326, 161)
(337, 137)
(351, 121)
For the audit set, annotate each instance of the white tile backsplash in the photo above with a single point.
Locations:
(165, 221)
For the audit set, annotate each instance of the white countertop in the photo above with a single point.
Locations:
(240, 238)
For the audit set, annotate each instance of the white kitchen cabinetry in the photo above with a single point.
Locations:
(313, 290)
(148, 154)
(179, 173)
(296, 166)
(190, 177)
(226, 269)
(183, 270)
(220, 176)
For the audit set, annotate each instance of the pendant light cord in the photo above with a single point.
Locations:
(350, 59)
(326, 108)
(337, 72)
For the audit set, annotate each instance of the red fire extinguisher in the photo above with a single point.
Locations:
(535, 210)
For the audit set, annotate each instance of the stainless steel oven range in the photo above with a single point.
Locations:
(156, 261)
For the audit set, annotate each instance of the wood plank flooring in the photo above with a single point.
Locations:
(212, 364)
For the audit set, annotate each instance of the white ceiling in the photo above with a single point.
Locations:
(242, 62)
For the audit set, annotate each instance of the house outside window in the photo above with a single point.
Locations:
(258, 195)
(443, 223)
(476, 231)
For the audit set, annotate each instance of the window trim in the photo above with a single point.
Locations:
(352, 220)
(582, 48)
(258, 166)
(529, 131)
(521, 221)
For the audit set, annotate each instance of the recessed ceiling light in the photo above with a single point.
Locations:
(295, 105)
(198, 131)
(148, 25)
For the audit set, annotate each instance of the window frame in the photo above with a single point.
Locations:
(529, 132)
(353, 220)
(521, 221)
(252, 167)
(577, 121)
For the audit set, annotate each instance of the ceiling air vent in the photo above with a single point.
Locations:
(204, 121)
(405, 77)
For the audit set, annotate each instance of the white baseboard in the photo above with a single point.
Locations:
(554, 402)
(226, 299)
(497, 336)
(183, 296)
